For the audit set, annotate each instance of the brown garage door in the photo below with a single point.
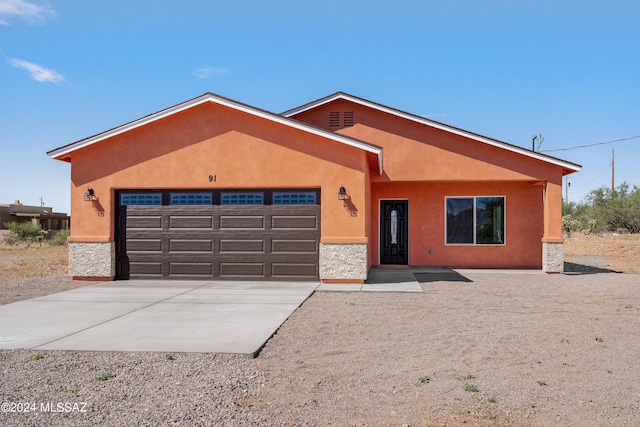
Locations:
(277, 242)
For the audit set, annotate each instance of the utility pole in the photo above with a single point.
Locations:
(613, 171)
(567, 184)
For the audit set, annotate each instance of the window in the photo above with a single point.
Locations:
(302, 198)
(141, 199)
(242, 198)
(191, 198)
(475, 220)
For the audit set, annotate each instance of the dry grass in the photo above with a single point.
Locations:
(621, 251)
(20, 261)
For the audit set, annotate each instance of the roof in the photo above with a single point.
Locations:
(568, 167)
(374, 152)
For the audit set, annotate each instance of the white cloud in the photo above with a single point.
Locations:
(38, 72)
(206, 72)
(27, 10)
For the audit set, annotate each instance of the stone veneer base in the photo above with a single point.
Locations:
(88, 261)
(343, 262)
(552, 257)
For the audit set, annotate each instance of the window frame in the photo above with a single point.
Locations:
(150, 195)
(475, 221)
(194, 197)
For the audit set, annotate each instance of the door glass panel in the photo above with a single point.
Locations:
(394, 226)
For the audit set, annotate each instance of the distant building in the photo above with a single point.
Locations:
(43, 215)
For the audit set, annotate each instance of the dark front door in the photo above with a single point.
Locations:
(394, 232)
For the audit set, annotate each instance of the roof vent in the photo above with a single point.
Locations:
(347, 118)
(334, 119)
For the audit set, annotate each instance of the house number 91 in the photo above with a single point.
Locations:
(212, 178)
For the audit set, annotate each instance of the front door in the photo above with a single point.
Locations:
(394, 232)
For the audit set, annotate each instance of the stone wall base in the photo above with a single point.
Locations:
(343, 262)
(92, 261)
(552, 257)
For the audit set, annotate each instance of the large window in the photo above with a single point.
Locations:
(475, 220)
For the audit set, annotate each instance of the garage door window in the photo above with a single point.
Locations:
(242, 198)
(191, 198)
(301, 198)
(140, 199)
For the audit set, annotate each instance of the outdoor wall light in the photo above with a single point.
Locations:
(88, 195)
(342, 193)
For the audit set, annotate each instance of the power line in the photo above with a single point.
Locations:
(590, 145)
(597, 176)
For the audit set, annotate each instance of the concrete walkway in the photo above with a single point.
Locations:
(182, 316)
(381, 279)
(163, 316)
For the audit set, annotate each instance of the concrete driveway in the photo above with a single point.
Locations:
(163, 316)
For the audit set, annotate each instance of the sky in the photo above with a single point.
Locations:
(510, 70)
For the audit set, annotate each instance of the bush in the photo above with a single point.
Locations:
(605, 210)
(60, 238)
(570, 224)
(25, 232)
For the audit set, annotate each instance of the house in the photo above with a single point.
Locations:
(49, 220)
(214, 188)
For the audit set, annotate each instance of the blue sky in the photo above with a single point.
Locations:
(567, 70)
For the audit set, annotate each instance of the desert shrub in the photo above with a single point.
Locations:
(570, 224)
(9, 240)
(25, 232)
(616, 210)
(604, 210)
(60, 238)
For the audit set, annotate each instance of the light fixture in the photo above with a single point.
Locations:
(88, 195)
(342, 193)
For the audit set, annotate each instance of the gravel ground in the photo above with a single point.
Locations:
(502, 350)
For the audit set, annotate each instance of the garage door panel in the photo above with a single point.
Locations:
(146, 268)
(144, 245)
(145, 222)
(241, 245)
(288, 270)
(242, 269)
(190, 245)
(201, 222)
(204, 269)
(230, 222)
(294, 221)
(294, 246)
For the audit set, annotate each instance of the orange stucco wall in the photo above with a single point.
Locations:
(421, 164)
(523, 233)
(425, 164)
(242, 151)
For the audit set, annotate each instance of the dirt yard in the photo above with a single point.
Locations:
(501, 350)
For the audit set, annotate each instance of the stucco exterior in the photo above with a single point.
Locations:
(220, 144)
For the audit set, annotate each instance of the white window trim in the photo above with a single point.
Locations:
(474, 244)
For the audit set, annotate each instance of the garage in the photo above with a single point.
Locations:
(246, 234)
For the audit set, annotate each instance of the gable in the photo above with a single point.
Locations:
(374, 153)
(186, 147)
(344, 113)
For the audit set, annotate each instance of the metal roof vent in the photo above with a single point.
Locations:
(347, 119)
(334, 119)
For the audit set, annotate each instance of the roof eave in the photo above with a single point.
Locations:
(572, 167)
